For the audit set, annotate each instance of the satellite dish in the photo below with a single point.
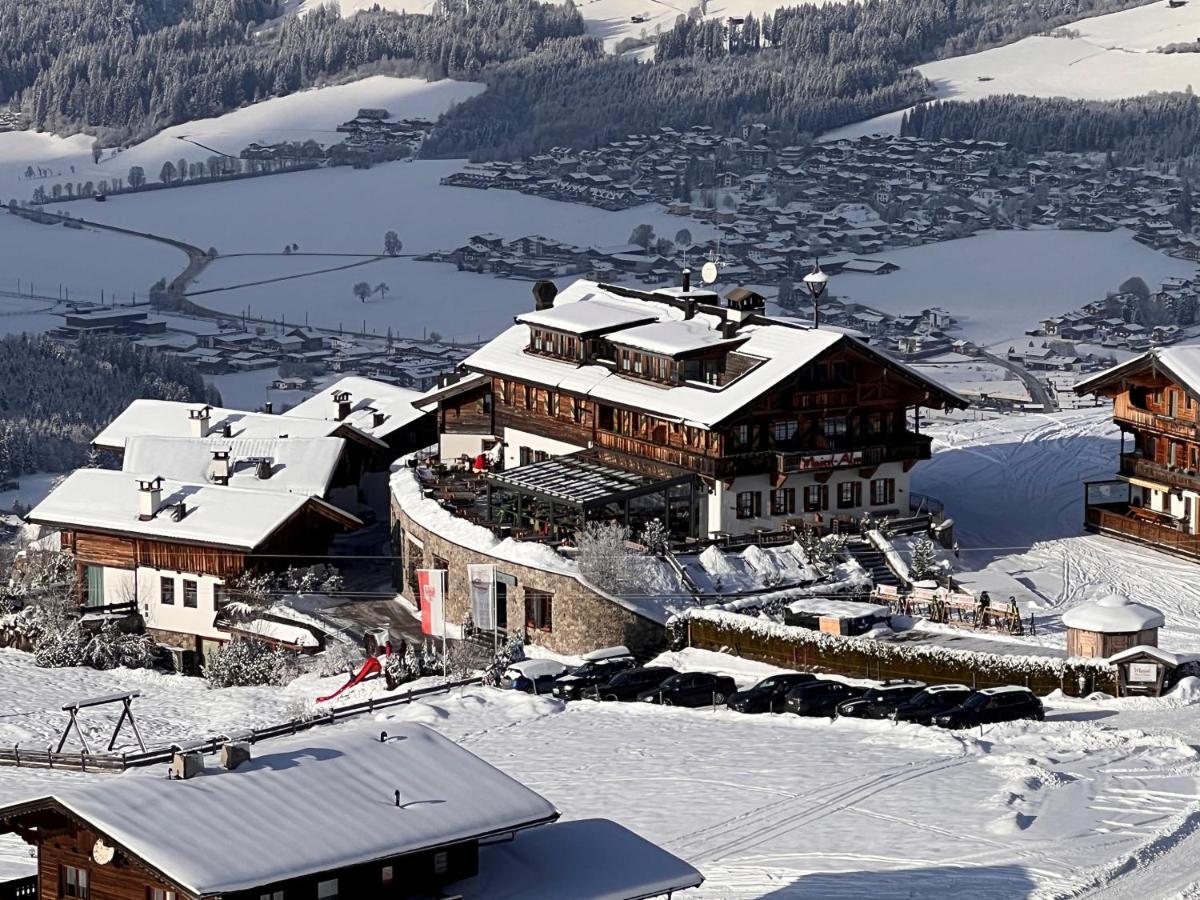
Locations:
(708, 272)
(102, 853)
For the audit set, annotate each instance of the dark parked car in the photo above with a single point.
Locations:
(580, 681)
(820, 698)
(932, 701)
(629, 684)
(691, 689)
(878, 702)
(1002, 704)
(769, 695)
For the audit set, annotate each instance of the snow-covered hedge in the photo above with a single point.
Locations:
(243, 662)
(794, 647)
(108, 648)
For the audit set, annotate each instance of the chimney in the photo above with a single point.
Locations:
(149, 498)
(219, 468)
(179, 512)
(342, 399)
(378, 419)
(268, 407)
(262, 469)
(233, 754)
(687, 280)
(544, 293)
(227, 430)
(199, 419)
(689, 308)
(186, 764)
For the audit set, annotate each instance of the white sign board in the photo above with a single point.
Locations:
(1143, 672)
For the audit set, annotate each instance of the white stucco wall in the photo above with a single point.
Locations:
(177, 617)
(514, 440)
(722, 505)
(452, 447)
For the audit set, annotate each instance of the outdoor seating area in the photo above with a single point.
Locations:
(954, 607)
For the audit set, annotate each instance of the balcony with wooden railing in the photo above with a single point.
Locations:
(848, 453)
(1126, 412)
(1134, 466)
(662, 453)
(1107, 509)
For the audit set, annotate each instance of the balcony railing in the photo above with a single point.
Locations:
(1116, 521)
(1135, 466)
(1124, 411)
(672, 456)
(911, 446)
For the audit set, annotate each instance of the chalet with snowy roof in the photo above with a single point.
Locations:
(1155, 498)
(402, 813)
(167, 549)
(680, 406)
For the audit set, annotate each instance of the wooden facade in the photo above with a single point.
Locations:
(66, 860)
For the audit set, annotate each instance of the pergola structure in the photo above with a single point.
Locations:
(556, 497)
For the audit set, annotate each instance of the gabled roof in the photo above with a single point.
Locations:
(298, 465)
(220, 516)
(367, 397)
(222, 832)
(780, 349)
(1180, 364)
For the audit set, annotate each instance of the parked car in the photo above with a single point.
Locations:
(820, 697)
(598, 667)
(999, 704)
(933, 701)
(533, 676)
(690, 689)
(878, 702)
(769, 695)
(629, 684)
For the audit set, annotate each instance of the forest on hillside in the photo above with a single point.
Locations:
(1153, 128)
(124, 70)
(54, 397)
(804, 70)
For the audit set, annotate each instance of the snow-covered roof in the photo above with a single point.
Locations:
(586, 318)
(842, 609)
(575, 859)
(367, 397)
(1112, 614)
(673, 337)
(1165, 656)
(171, 418)
(298, 465)
(221, 832)
(224, 516)
(294, 635)
(1181, 364)
(782, 348)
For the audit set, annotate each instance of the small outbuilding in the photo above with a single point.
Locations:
(1110, 624)
(1150, 671)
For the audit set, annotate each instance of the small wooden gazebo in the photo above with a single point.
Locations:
(1110, 624)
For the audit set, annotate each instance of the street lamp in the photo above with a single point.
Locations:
(815, 281)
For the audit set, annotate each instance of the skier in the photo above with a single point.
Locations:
(981, 609)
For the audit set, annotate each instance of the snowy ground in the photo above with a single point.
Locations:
(77, 264)
(997, 284)
(1014, 486)
(1112, 57)
(1035, 807)
(311, 114)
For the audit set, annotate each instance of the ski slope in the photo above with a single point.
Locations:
(308, 114)
(1014, 486)
(1112, 56)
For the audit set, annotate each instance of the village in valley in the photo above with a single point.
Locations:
(773, 516)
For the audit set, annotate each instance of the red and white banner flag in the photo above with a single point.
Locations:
(432, 585)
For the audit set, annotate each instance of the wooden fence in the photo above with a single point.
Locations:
(77, 761)
(810, 651)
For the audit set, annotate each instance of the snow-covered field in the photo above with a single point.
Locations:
(309, 114)
(757, 803)
(1112, 57)
(1000, 283)
(77, 264)
(1014, 486)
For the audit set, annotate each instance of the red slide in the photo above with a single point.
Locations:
(371, 667)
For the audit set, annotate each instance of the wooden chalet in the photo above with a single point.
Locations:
(167, 549)
(1155, 498)
(405, 813)
(675, 405)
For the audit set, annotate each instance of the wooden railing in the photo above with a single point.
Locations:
(672, 456)
(1103, 520)
(1132, 464)
(914, 446)
(1124, 411)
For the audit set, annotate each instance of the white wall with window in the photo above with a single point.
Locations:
(754, 501)
(182, 602)
(106, 585)
(453, 447)
(534, 444)
(1183, 505)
